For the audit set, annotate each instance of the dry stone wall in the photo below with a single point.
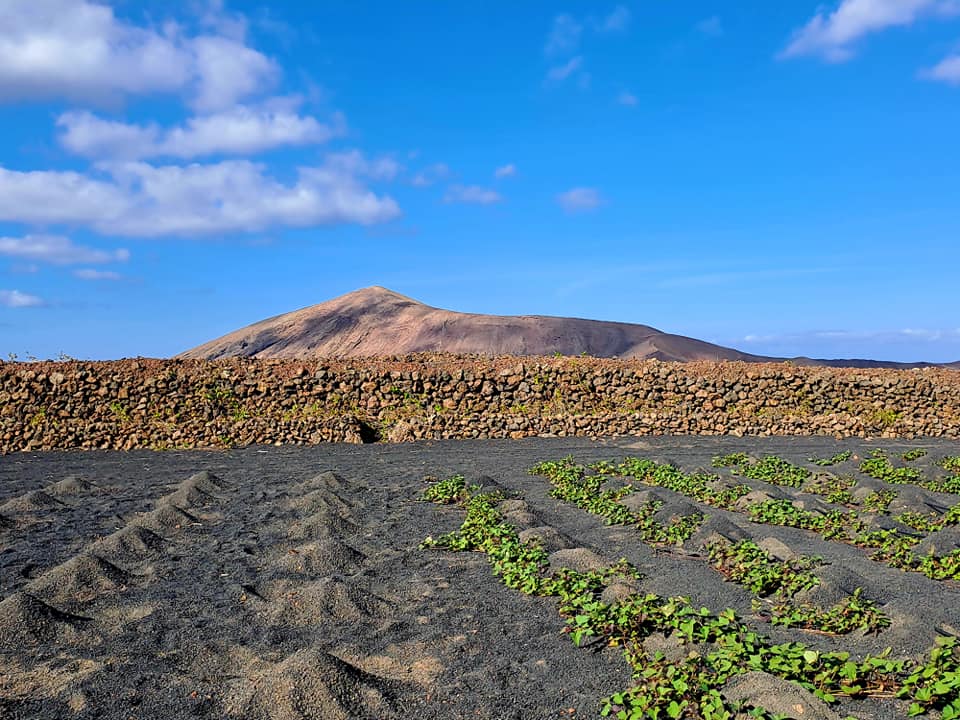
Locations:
(165, 404)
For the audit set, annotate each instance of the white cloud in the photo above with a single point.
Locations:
(44, 197)
(579, 199)
(627, 98)
(80, 50)
(227, 70)
(472, 194)
(217, 17)
(564, 35)
(57, 250)
(138, 199)
(90, 274)
(238, 131)
(947, 70)
(617, 21)
(86, 134)
(711, 26)
(431, 175)
(353, 162)
(508, 170)
(832, 35)
(562, 72)
(17, 299)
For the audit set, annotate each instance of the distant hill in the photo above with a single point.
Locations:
(375, 321)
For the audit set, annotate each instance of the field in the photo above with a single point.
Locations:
(662, 577)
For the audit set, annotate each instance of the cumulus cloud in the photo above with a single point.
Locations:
(43, 197)
(617, 21)
(80, 50)
(227, 70)
(17, 299)
(57, 250)
(238, 131)
(90, 274)
(831, 35)
(139, 199)
(508, 170)
(947, 70)
(579, 199)
(471, 194)
(564, 35)
(562, 72)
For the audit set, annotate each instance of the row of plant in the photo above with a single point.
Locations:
(573, 486)
(769, 468)
(837, 489)
(878, 465)
(744, 563)
(891, 546)
(776, 583)
(691, 687)
(777, 471)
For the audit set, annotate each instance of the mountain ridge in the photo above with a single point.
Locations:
(376, 321)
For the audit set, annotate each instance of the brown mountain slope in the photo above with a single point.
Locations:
(376, 321)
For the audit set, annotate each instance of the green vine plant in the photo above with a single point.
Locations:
(690, 687)
(834, 488)
(951, 463)
(769, 468)
(571, 484)
(833, 459)
(744, 562)
(892, 546)
(776, 582)
(878, 465)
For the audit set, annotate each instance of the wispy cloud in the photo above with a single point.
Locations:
(560, 73)
(711, 26)
(832, 35)
(57, 250)
(579, 199)
(471, 194)
(504, 171)
(947, 70)
(733, 277)
(17, 299)
(564, 36)
(903, 344)
(433, 174)
(627, 98)
(90, 274)
(617, 21)
(908, 335)
(238, 131)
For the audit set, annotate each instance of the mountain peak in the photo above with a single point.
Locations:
(374, 293)
(377, 321)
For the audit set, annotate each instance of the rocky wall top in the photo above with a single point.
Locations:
(192, 403)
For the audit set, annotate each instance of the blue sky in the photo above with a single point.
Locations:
(783, 178)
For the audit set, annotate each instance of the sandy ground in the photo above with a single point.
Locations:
(287, 583)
